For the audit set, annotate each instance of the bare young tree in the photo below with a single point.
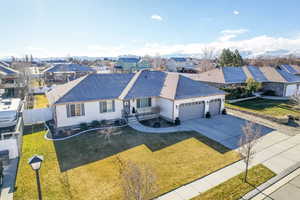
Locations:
(109, 132)
(250, 136)
(296, 100)
(138, 181)
(207, 60)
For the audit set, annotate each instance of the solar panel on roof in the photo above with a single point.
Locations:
(257, 74)
(234, 75)
(289, 69)
(287, 75)
(7, 71)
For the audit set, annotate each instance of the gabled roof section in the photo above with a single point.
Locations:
(170, 86)
(7, 70)
(129, 85)
(214, 76)
(69, 68)
(188, 88)
(94, 87)
(60, 91)
(129, 60)
(271, 74)
(148, 84)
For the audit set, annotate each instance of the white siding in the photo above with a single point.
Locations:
(291, 90)
(166, 108)
(92, 112)
(205, 99)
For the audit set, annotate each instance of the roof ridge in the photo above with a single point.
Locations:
(247, 72)
(57, 97)
(169, 88)
(130, 84)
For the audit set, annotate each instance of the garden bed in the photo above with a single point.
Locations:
(157, 123)
(61, 133)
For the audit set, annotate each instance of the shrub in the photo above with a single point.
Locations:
(208, 115)
(156, 125)
(269, 93)
(83, 126)
(103, 122)
(95, 123)
(224, 112)
(177, 121)
(117, 122)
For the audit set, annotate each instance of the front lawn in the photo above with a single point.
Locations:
(87, 166)
(273, 108)
(235, 188)
(40, 101)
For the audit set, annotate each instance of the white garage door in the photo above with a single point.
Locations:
(214, 107)
(191, 110)
(291, 89)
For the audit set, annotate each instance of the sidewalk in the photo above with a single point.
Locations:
(277, 151)
(145, 129)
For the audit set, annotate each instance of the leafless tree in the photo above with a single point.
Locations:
(250, 136)
(138, 181)
(157, 61)
(109, 132)
(207, 60)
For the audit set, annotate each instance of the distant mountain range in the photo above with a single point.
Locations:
(244, 54)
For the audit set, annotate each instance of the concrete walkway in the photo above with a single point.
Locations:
(140, 127)
(276, 150)
(280, 127)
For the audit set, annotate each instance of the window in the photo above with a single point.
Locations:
(74, 110)
(143, 103)
(107, 106)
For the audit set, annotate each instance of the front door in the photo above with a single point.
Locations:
(126, 105)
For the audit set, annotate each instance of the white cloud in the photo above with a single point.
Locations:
(156, 17)
(236, 12)
(230, 34)
(256, 46)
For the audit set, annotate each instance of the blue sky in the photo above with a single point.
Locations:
(112, 27)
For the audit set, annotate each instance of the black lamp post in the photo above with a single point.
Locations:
(35, 163)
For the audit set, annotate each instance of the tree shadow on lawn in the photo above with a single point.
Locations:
(91, 147)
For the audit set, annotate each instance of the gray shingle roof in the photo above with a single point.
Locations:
(110, 86)
(148, 84)
(6, 70)
(69, 68)
(188, 88)
(97, 87)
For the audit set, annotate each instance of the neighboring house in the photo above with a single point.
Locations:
(176, 64)
(284, 80)
(115, 96)
(12, 83)
(131, 64)
(62, 73)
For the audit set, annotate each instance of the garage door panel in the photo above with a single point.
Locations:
(192, 110)
(215, 107)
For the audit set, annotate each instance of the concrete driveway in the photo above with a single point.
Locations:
(225, 129)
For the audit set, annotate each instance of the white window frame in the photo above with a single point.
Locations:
(140, 103)
(75, 110)
(107, 106)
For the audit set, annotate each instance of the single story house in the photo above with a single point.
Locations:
(116, 96)
(283, 80)
(12, 82)
(62, 73)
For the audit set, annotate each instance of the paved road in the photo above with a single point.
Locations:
(289, 191)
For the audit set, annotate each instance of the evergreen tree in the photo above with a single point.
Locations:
(229, 58)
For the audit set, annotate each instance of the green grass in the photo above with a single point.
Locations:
(235, 188)
(89, 165)
(40, 101)
(273, 108)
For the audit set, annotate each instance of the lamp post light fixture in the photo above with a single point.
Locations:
(35, 162)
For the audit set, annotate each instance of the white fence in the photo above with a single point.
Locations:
(11, 145)
(36, 116)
